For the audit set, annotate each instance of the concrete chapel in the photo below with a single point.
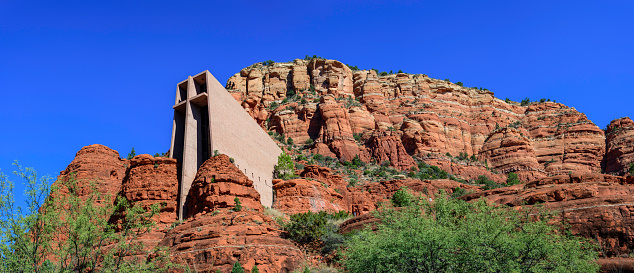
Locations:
(207, 119)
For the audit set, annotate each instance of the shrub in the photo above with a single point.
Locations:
(356, 161)
(512, 179)
(290, 141)
(61, 231)
(238, 206)
(401, 198)
(450, 235)
(255, 269)
(457, 192)
(488, 183)
(132, 154)
(459, 84)
(307, 227)
(310, 142)
(525, 102)
(237, 268)
(631, 170)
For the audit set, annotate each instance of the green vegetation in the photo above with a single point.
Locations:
(63, 232)
(267, 63)
(459, 84)
(305, 228)
(353, 68)
(488, 183)
(132, 154)
(402, 198)
(512, 179)
(449, 235)
(255, 269)
(308, 58)
(631, 169)
(238, 206)
(285, 167)
(290, 141)
(237, 268)
(525, 102)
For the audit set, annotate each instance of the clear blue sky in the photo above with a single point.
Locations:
(78, 73)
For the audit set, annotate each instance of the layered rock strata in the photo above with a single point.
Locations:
(152, 180)
(100, 165)
(619, 146)
(217, 184)
(429, 116)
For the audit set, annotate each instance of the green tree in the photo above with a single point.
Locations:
(631, 170)
(401, 198)
(512, 179)
(238, 206)
(450, 235)
(132, 154)
(255, 269)
(285, 167)
(66, 230)
(237, 268)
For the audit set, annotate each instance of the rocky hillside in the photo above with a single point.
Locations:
(356, 139)
(393, 117)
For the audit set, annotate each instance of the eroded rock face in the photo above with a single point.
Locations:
(431, 116)
(209, 242)
(510, 150)
(100, 165)
(302, 195)
(619, 146)
(336, 130)
(217, 183)
(564, 140)
(596, 206)
(386, 147)
(153, 180)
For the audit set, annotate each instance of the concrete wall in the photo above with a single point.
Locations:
(235, 133)
(232, 132)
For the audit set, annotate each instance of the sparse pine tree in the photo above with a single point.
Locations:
(132, 154)
(237, 268)
(238, 206)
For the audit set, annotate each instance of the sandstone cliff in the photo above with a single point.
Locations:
(329, 103)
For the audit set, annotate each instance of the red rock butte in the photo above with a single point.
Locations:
(208, 120)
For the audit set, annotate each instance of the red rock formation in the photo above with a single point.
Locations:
(596, 206)
(153, 180)
(336, 131)
(564, 139)
(216, 241)
(619, 146)
(386, 147)
(437, 117)
(369, 197)
(218, 182)
(510, 150)
(465, 169)
(302, 195)
(99, 164)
